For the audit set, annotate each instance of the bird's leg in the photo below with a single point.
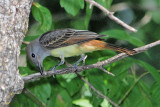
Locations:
(83, 57)
(60, 63)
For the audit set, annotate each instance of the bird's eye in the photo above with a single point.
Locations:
(33, 55)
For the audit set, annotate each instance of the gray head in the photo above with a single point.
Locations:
(36, 54)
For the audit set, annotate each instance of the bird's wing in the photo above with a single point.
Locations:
(66, 37)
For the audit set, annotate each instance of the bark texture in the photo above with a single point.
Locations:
(14, 16)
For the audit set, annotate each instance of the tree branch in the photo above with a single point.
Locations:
(110, 15)
(36, 76)
(14, 17)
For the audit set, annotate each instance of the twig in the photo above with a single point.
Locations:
(104, 70)
(146, 19)
(110, 15)
(36, 76)
(25, 42)
(97, 91)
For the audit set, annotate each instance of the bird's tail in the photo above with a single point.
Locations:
(94, 45)
(120, 49)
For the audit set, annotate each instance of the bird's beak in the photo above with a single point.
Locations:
(40, 67)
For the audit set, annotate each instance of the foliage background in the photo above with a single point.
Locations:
(137, 80)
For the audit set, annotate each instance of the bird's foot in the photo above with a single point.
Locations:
(60, 63)
(54, 71)
(75, 65)
(83, 57)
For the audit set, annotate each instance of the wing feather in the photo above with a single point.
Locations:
(65, 37)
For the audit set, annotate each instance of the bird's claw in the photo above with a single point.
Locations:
(75, 65)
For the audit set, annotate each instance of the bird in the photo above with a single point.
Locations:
(63, 43)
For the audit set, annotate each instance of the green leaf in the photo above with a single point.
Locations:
(122, 35)
(63, 99)
(155, 94)
(35, 99)
(50, 62)
(72, 86)
(120, 83)
(95, 77)
(93, 57)
(156, 16)
(52, 100)
(82, 103)
(83, 23)
(78, 24)
(105, 103)
(20, 100)
(42, 91)
(150, 69)
(23, 47)
(30, 38)
(137, 99)
(72, 6)
(97, 80)
(88, 16)
(43, 16)
(25, 71)
(159, 2)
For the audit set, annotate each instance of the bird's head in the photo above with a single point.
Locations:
(36, 54)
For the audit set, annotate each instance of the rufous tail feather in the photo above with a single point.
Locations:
(102, 45)
(120, 49)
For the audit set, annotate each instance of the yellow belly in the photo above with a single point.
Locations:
(68, 51)
(72, 50)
